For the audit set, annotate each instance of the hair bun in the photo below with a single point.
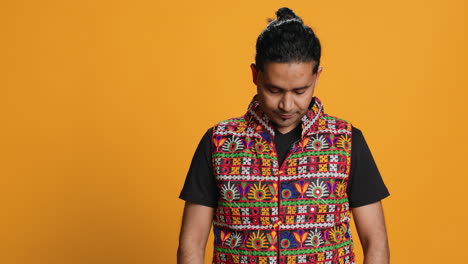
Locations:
(285, 13)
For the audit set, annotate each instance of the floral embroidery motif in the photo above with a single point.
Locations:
(230, 192)
(232, 144)
(317, 190)
(318, 143)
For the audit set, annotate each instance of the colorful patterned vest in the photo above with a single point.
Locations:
(295, 212)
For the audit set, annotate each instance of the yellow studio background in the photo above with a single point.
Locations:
(103, 104)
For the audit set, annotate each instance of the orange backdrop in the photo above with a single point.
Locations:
(103, 104)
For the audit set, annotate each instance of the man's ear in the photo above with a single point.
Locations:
(254, 73)
(319, 71)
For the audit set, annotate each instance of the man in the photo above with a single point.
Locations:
(278, 184)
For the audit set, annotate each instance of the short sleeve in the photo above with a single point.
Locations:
(365, 184)
(200, 185)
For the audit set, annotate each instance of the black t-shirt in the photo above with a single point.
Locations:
(365, 185)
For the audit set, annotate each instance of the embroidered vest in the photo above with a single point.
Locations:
(295, 212)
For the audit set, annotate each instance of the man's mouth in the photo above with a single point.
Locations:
(283, 116)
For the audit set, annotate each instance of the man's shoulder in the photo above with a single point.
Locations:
(337, 122)
(336, 118)
(238, 119)
(230, 122)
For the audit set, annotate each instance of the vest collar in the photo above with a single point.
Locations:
(264, 124)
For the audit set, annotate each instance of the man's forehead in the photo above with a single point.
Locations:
(288, 75)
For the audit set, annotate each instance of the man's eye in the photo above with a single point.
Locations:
(274, 91)
(300, 92)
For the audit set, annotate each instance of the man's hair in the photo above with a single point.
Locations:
(287, 39)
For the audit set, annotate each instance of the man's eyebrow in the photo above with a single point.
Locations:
(269, 85)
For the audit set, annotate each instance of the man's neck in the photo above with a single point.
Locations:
(285, 130)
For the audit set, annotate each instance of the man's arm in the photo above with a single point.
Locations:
(196, 224)
(370, 224)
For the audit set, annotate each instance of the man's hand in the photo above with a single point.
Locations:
(196, 224)
(370, 224)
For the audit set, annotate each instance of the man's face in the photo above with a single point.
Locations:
(285, 91)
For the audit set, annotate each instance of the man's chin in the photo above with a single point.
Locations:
(284, 123)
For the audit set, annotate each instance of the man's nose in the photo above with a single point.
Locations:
(286, 103)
